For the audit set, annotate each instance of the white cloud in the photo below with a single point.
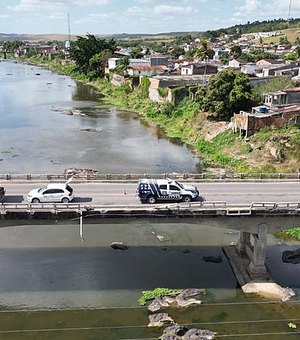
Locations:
(260, 9)
(167, 9)
(4, 16)
(30, 5)
(53, 5)
(91, 2)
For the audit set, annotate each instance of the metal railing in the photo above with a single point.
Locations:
(135, 177)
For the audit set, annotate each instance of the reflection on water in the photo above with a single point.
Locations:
(37, 134)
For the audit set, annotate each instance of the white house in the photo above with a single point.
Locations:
(113, 63)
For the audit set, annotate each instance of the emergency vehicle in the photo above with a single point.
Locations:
(154, 190)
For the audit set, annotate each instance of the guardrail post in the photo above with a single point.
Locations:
(8, 177)
(49, 177)
(28, 177)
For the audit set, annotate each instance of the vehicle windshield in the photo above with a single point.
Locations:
(41, 189)
(180, 185)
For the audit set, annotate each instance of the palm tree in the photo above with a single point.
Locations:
(203, 52)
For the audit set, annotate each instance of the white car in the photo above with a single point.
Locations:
(51, 193)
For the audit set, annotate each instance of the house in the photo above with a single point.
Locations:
(146, 70)
(249, 68)
(290, 70)
(236, 63)
(155, 60)
(288, 96)
(269, 63)
(113, 63)
(198, 68)
(247, 123)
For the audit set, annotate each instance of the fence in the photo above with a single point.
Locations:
(135, 177)
(206, 206)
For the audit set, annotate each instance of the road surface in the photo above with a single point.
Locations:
(125, 193)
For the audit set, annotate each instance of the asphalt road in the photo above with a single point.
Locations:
(125, 193)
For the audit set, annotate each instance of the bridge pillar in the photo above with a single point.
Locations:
(257, 267)
(243, 243)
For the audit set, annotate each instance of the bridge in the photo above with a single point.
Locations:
(276, 207)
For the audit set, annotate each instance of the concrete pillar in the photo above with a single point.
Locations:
(257, 268)
(243, 242)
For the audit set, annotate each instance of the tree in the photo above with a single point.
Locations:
(122, 65)
(136, 52)
(236, 51)
(203, 52)
(90, 54)
(227, 92)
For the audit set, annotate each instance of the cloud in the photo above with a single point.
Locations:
(260, 9)
(30, 5)
(53, 5)
(168, 9)
(91, 2)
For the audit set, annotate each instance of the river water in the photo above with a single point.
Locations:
(37, 136)
(83, 289)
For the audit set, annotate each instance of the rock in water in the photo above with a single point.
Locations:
(119, 245)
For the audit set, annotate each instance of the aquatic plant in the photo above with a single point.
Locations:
(157, 292)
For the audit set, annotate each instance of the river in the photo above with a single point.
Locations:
(53, 285)
(36, 136)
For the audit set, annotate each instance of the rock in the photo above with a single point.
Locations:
(290, 256)
(91, 130)
(187, 303)
(173, 332)
(186, 251)
(199, 334)
(268, 290)
(177, 332)
(215, 259)
(187, 293)
(159, 320)
(70, 172)
(119, 245)
(157, 304)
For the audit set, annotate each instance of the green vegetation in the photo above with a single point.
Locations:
(227, 92)
(157, 292)
(293, 233)
(90, 55)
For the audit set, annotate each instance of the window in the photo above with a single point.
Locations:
(174, 187)
(163, 187)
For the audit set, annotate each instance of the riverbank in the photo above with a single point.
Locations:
(268, 151)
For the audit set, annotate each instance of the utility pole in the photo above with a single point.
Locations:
(69, 28)
(289, 14)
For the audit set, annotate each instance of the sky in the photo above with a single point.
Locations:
(136, 16)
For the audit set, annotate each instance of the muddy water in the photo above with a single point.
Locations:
(84, 289)
(37, 136)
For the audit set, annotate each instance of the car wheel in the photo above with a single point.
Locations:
(151, 199)
(187, 198)
(35, 200)
(65, 200)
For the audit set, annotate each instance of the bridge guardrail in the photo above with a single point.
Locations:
(88, 176)
(228, 209)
